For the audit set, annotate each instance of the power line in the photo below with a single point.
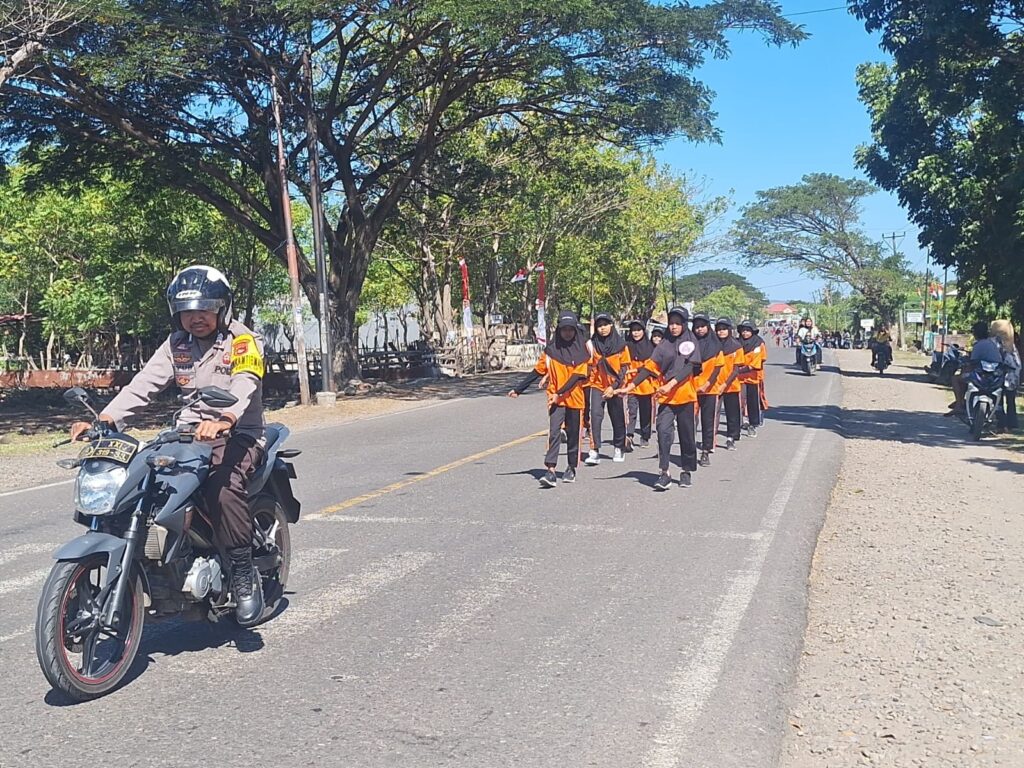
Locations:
(819, 10)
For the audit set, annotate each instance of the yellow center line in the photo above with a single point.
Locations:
(357, 500)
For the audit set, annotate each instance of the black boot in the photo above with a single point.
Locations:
(245, 586)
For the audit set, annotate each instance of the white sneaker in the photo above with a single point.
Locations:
(617, 456)
(593, 459)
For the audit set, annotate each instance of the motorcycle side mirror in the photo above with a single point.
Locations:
(77, 395)
(215, 397)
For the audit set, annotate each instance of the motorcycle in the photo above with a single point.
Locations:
(883, 358)
(149, 551)
(983, 398)
(809, 356)
(944, 365)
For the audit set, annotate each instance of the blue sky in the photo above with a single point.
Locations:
(787, 112)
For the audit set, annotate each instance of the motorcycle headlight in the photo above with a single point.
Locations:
(97, 486)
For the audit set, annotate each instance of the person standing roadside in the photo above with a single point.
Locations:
(1002, 331)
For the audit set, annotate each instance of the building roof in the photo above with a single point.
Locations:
(779, 308)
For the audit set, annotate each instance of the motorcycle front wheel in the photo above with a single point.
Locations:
(79, 656)
(978, 420)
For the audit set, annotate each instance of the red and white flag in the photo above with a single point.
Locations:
(520, 276)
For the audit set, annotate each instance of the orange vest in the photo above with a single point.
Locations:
(732, 362)
(646, 387)
(599, 376)
(558, 374)
(754, 359)
(682, 393)
(706, 369)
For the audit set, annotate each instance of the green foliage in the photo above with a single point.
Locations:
(730, 301)
(947, 134)
(815, 227)
(185, 87)
(698, 285)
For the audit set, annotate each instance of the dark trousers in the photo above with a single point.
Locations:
(232, 462)
(616, 413)
(752, 392)
(683, 418)
(558, 415)
(642, 406)
(1008, 415)
(708, 405)
(731, 404)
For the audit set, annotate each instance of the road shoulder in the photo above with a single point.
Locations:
(913, 650)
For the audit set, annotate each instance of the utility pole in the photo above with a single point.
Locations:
(927, 290)
(313, 148)
(291, 250)
(899, 312)
(945, 319)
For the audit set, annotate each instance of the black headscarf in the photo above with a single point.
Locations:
(754, 341)
(730, 343)
(639, 350)
(710, 345)
(675, 356)
(611, 344)
(568, 353)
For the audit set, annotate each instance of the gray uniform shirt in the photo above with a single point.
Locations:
(232, 361)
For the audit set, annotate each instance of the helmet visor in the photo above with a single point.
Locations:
(205, 305)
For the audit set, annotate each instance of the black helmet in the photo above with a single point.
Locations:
(203, 288)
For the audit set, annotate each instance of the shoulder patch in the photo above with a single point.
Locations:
(245, 356)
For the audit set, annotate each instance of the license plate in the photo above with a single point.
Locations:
(110, 448)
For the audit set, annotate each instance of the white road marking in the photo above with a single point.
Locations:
(535, 526)
(36, 488)
(31, 579)
(697, 678)
(324, 604)
(472, 602)
(9, 555)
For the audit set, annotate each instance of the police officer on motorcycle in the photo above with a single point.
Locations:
(209, 348)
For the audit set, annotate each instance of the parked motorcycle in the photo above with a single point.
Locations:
(149, 552)
(809, 356)
(983, 398)
(944, 365)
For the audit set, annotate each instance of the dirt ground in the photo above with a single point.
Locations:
(914, 652)
(31, 423)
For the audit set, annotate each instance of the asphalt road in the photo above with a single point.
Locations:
(446, 611)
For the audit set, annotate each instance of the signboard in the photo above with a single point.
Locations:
(915, 316)
(867, 325)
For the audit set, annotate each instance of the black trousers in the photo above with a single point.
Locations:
(683, 416)
(616, 413)
(642, 406)
(558, 415)
(708, 405)
(232, 462)
(731, 403)
(752, 392)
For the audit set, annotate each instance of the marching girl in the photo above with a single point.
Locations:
(712, 362)
(609, 365)
(755, 353)
(674, 362)
(641, 402)
(733, 358)
(564, 364)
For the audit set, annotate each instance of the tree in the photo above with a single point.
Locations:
(28, 26)
(730, 301)
(814, 226)
(698, 285)
(947, 134)
(186, 87)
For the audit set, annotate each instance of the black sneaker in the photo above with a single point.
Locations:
(705, 459)
(569, 476)
(664, 482)
(751, 431)
(730, 444)
(685, 479)
(549, 480)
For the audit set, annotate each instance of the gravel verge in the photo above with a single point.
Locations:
(914, 650)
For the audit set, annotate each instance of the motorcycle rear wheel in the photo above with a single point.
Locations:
(64, 629)
(269, 517)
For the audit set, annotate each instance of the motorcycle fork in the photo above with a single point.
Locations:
(112, 611)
